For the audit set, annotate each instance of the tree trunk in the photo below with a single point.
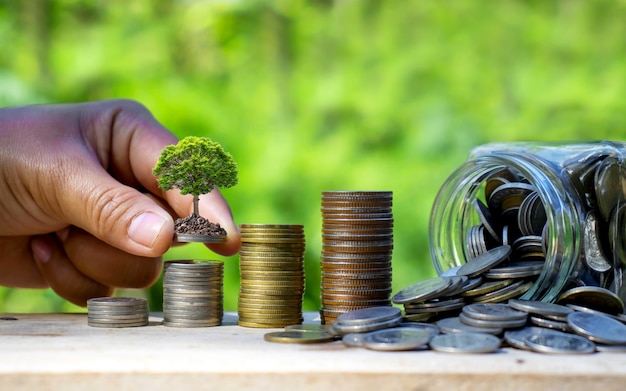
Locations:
(195, 205)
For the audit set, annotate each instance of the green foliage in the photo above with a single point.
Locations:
(314, 95)
(195, 165)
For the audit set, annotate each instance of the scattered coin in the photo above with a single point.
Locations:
(454, 325)
(496, 312)
(397, 338)
(431, 328)
(593, 297)
(492, 323)
(353, 339)
(598, 328)
(423, 290)
(465, 343)
(369, 315)
(485, 261)
(299, 337)
(557, 342)
(517, 338)
(549, 324)
(308, 327)
(549, 310)
(366, 327)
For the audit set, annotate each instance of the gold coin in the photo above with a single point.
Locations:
(489, 286)
(596, 298)
(299, 336)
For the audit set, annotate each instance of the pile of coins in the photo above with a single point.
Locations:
(357, 245)
(271, 265)
(193, 293)
(488, 278)
(479, 328)
(117, 312)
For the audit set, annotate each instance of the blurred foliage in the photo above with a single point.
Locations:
(314, 95)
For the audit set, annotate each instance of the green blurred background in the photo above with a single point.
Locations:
(327, 95)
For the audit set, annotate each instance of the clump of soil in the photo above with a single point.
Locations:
(198, 225)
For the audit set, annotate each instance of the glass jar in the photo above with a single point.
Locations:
(560, 203)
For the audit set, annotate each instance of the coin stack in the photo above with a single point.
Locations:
(193, 293)
(117, 312)
(357, 244)
(271, 265)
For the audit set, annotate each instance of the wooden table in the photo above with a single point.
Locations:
(60, 352)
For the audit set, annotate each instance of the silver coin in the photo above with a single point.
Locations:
(369, 315)
(108, 317)
(509, 292)
(186, 324)
(494, 311)
(397, 339)
(598, 328)
(468, 285)
(458, 286)
(465, 343)
(116, 325)
(364, 328)
(450, 272)
(492, 323)
(485, 261)
(517, 338)
(557, 342)
(453, 325)
(548, 310)
(518, 269)
(117, 301)
(611, 348)
(594, 254)
(486, 219)
(549, 323)
(608, 187)
(421, 317)
(435, 303)
(431, 328)
(189, 238)
(439, 307)
(118, 311)
(308, 327)
(574, 307)
(423, 290)
(353, 340)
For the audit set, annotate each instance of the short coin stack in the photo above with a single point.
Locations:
(193, 293)
(117, 312)
(271, 264)
(357, 245)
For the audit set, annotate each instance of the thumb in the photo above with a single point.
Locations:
(117, 214)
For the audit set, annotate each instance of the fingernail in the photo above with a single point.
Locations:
(42, 251)
(146, 228)
(62, 234)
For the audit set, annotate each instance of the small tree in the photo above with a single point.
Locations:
(196, 165)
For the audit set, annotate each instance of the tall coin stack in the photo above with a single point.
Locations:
(271, 264)
(357, 245)
(117, 312)
(193, 293)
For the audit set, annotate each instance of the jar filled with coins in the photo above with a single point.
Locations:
(561, 207)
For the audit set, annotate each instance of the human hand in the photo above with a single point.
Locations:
(80, 210)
